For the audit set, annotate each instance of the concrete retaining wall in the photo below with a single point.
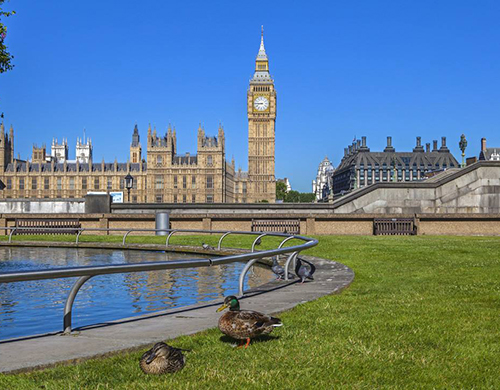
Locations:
(472, 190)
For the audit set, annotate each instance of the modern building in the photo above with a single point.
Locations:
(323, 185)
(360, 167)
(162, 175)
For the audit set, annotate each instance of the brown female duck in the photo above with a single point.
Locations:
(244, 324)
(162, 358)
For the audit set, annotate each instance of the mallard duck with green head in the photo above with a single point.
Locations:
(161, 359)
(244, 324)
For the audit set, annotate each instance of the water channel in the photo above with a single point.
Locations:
(36, 307)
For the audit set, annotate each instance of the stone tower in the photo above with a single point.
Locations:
(39, 154)
(261, 108)
(59, 152)
(135, 146)
(83, 151)
(6, 147)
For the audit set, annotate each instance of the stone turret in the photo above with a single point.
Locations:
(135, 145)
(6, 147)
(59, 152)
(83, 149)
(39, 154)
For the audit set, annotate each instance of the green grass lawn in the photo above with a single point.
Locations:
(422, 312)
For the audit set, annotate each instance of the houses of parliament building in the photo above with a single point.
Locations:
(162, 176)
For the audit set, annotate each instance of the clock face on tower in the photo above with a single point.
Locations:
(261, 103)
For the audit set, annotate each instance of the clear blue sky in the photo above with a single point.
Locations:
(342, 69)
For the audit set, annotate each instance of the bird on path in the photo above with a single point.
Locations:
(304, 272)
(207, 247)
(278, 270)
(244, 324)
(161, 359)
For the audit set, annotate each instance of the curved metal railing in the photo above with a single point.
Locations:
(87, 272)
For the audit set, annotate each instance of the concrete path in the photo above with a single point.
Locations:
(43, 351)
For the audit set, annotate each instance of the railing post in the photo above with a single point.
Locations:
(253, 244)
(219, 245)
(243, 274)
(78, 235)
(69, 302)
(288, 261)
(10, 235)
(285, 240)
(168, 237)
(125, 236)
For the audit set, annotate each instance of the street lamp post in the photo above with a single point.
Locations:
(462, 145)
(129, 183)
(394, 161)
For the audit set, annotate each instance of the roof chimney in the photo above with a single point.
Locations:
(389, 147)
(363, 147)
(434, 145)
(418, 146)
(483, 144)
(427, 147)
(443, 145)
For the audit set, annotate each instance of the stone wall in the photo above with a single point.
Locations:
(471, 190)
(310, 224)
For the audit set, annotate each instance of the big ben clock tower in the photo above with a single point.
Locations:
(261, 107)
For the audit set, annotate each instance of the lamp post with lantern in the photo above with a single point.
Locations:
(129, 183)
(462, 145)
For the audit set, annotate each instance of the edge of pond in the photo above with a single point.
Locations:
(134, 333)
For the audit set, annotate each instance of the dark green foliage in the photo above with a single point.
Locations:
(306, 197)
(5, 56)
(280, 190)
(292, 196)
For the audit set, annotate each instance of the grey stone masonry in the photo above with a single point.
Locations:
(471, 190)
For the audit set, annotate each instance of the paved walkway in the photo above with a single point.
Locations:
(42, 351)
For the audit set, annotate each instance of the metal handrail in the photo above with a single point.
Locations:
(85, 273)
(257, 239)
(78, 235)
(11, 232)
(285, 240)
(169, 235)
(125, 236)
(219, 245)
(291, 258)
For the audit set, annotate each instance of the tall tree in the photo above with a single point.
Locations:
(280, 190)
(5, 56)
(306, 197)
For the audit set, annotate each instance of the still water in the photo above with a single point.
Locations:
(29, 308)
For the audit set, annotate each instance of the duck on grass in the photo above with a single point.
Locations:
(244, 324)
(161, 359)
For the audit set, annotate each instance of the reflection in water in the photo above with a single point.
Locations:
(35, 307)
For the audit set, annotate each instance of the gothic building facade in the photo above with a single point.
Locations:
(161, 176)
